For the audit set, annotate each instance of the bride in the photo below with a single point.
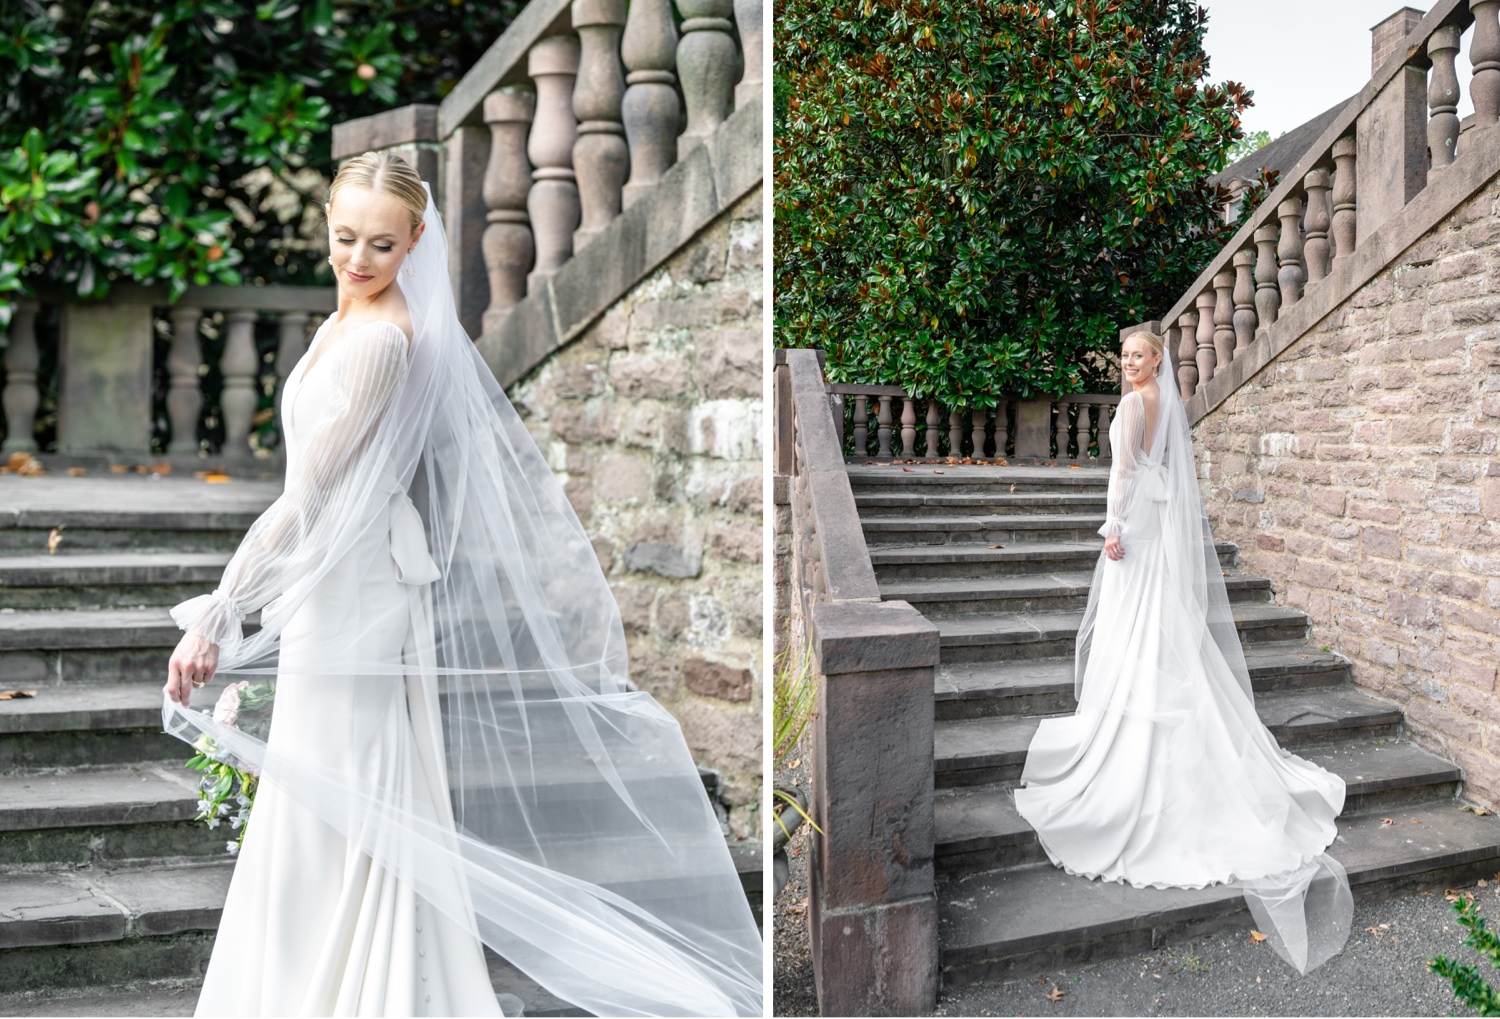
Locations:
(1165, 776)
(456, 758)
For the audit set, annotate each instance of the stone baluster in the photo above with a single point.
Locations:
(955, 432)
(1060, 429)
(553, 200)
(1107, 418)
(508, 246)
(650, 109)
(1484, 54)
(1442, 98)
(240, 365)
(1205, 354)
(21, 396)
(883, 426)
(1244, 299)
(1316, 223)
(1267, 292)
(908, 427)
(1224, 317)
(1187, 359)
(1291, 276)
(749, 20)
(861, 425)
(933, 420)
(185, 390)
(600, 156)
(293, 344)
(976, 419)
(706, 66)
(1002, 428)
(1343, 198)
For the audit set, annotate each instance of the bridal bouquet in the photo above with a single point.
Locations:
(226, 791)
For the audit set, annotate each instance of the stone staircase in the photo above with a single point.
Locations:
(1000, 559)
(110, 891)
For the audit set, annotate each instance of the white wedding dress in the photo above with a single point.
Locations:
(1165, 777)
(311, 926)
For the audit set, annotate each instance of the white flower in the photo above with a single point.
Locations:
(223, 808)
(213, 822)
(232, 848)
(242, 800)
(236, 822)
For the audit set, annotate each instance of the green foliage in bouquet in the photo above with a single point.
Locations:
(973, 198)
(226, 790)
(1468, 986)
(169, 143)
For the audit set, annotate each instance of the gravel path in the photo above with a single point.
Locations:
(1381, 972)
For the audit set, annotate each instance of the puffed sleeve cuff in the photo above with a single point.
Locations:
(1113, 527)
(214, 617)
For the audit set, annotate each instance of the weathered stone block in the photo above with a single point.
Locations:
(715, 679)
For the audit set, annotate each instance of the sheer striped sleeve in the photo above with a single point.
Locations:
(1127, 450)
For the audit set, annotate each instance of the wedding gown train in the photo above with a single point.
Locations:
(1165, 777)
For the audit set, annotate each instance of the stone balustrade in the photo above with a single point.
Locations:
(1072, 429)
(200, 376)
(1399, 136)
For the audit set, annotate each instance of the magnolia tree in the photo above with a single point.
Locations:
(186, 141)
(972, 197)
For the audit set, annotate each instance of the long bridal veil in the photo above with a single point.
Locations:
(581, 843)
(1305, 912)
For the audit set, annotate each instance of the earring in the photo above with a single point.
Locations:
(410, 270)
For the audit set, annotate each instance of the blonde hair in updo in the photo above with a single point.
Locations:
(384, 173)
(1155, 342)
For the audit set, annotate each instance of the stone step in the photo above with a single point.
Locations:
(1045, 686)
(958, 479)
(1004, 924)
(925, 504)
(104, 815)
(971, 751)
(87, 724)
(1019, 635)
(979, 829)
(107, 579)
(972, 560)
(990, 529)
(43, 647)
(1035, 592)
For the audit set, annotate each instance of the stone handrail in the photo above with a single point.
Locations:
(105, 394)
(561, 147)
(1400, 134)
(1063, 429)
(872, 894)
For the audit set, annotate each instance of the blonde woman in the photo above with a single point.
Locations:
(456, 759)
(1165, 776)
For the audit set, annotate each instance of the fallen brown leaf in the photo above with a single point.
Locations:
(1073, 467)
(1056, 994)
(1416, 820)
(1379, 931)
(908, 470)
(995, 546)
(795, 764)
(16, 695)
(77, 472)
(54, 539)
(215, 477)
(937, 472)
(1256, 937)
(118, 469)
(161, 468)
(1477, 811)
(1386, 822)
(1454, 894)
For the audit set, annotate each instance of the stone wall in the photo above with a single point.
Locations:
(652, 419)
(1359, 471)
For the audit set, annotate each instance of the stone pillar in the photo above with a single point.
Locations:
(1343, 199)
(508, 246)
(1207, 360)
(706, 66)
(466, 160)
(1442, 98)
(1224, 317)
(1244, 298)
(1484, 53)
(1386, 38)
(1187, 359)
(1316, 223)
(240, 365)
(873, 903)
(650, 109)
(1033, 430)
(1267, 295)
(293, 344)
(552, 203)
(185, 391)
(1391, 135)
(21, 396)
(1289, 252)
(104, 375)
(601, 158)
(749, 19)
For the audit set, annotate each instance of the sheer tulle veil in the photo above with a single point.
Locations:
(1305, 913)
(588, 852)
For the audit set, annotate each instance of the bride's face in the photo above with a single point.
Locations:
(1138, 361)
(369, 233)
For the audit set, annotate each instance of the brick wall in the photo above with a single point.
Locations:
(1359, 471)
(652, 420)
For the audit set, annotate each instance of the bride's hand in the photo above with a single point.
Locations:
(191, 665)
(1113, 549)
